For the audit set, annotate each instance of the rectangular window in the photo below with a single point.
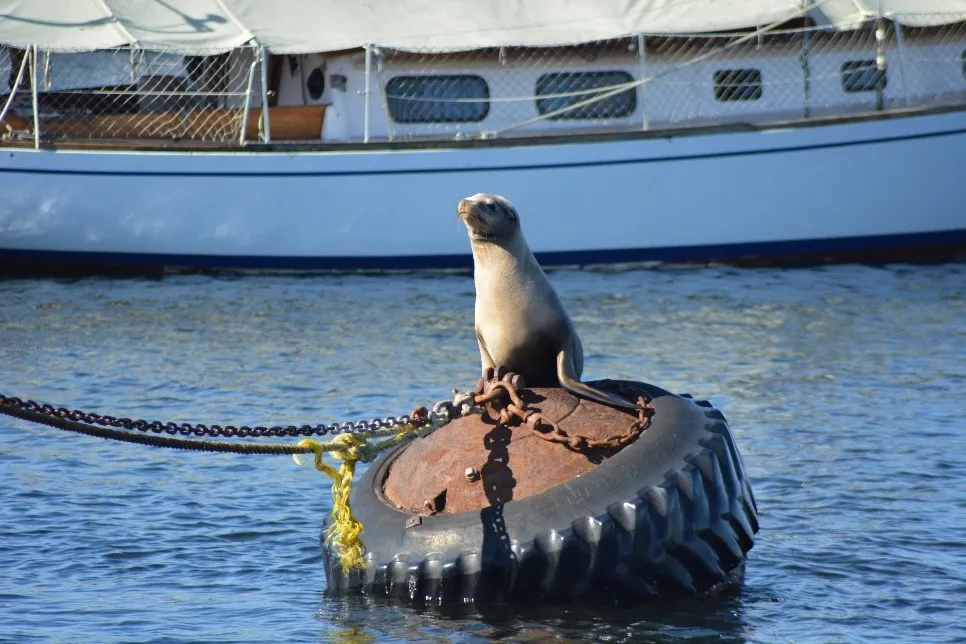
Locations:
(862, 76)
(963, 58)
(737, 85)
(560, 90)
(438, 99)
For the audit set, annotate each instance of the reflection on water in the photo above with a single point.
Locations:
(715, 619)
(843, 386)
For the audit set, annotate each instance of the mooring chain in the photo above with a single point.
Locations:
(354, 441)
(213, 431)
(492, 391)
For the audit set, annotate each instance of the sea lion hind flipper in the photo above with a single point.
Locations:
(565, 374)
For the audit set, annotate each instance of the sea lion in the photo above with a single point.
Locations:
(520, 323)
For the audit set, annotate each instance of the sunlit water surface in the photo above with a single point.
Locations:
(844, 387)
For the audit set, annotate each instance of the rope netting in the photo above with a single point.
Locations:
(130, 93)
(771, 74)
(659, 81)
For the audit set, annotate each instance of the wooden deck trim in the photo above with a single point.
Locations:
(172, 129)
(314, 144)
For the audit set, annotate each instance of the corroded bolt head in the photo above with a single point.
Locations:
(472, 474)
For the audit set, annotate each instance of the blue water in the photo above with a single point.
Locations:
(844, 387)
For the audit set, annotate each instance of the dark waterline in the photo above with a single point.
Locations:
(922, 248)
(843, 386)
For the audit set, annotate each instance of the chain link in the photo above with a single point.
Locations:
(199, 430)
(499, 395)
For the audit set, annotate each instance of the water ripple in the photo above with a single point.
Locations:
(842, 384)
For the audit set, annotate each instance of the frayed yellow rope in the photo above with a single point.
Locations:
(345, 529)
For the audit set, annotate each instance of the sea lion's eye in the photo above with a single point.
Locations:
(508, 211)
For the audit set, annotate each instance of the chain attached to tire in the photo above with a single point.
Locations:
(499, 394)
(200, 430)
(353, 441)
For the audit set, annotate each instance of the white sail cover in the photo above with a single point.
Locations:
(301, 26)
(847, 14)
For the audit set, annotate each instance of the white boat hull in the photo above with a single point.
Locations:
(874, 185)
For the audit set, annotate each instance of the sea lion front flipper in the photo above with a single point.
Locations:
(566, 376)
(485, 359)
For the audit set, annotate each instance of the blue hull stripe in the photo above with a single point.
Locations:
(499, 168)
(879, 247)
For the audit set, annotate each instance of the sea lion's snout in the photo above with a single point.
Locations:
(469, 211)
(471, 204)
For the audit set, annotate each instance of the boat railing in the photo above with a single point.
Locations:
(131, 93)
(641, 82)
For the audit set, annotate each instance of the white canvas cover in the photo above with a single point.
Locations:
(913, 13)
(301, 26)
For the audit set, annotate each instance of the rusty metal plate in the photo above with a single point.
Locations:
(430, 475)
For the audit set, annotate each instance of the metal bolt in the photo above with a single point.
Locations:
(413, 521)
(437, 503)
(472, 474)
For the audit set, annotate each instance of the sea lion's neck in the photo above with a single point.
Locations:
(501, 259)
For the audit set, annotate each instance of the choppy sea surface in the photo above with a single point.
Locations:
(845, 388)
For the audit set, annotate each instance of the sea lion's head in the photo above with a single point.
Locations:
(489, 218)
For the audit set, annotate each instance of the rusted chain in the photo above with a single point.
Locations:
(38, 410)
(66, 422)
(508, 407)
(76, 422)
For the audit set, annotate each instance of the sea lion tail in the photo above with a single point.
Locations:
(568, 380)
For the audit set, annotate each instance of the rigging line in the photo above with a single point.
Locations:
(131, 40)
(643, 81)
(16, 86)
(241, 28)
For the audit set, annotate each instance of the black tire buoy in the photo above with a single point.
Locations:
(672, 513)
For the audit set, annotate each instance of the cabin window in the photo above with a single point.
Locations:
(963, 58)
(619, 105)
(862, 76)
(737, 85)
(438, 99)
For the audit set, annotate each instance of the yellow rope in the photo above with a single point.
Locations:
(345, 529)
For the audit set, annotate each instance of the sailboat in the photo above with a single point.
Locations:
(299, 136)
